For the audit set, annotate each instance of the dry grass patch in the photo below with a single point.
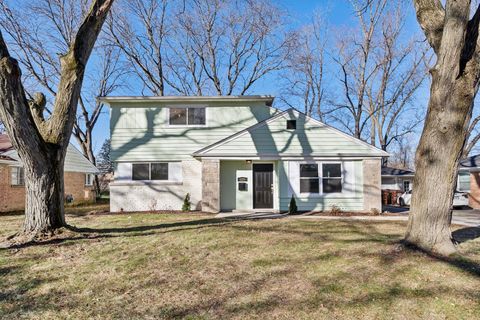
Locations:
(191, 266)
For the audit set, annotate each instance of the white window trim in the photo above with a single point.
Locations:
(187, 125)
(409, 185)
(89, 182)
(458, 182)
(16, 184)
(150, 172)
(320, 178)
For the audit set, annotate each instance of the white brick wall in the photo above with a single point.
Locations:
(128, 195)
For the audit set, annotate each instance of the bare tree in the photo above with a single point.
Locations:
(403, 153)
(472, 138)
(355, 58)
(40, 141)
(212, 47)
(400, 70)
(59, 22)
(138, 29)
(304, 77)
(452, 32)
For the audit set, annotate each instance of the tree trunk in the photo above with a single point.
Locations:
(436, 164)
(44, 188)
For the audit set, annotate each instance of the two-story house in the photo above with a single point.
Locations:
(234, 153)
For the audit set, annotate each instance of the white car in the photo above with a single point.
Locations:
(460, 199)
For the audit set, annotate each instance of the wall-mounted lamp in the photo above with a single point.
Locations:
(248, 161)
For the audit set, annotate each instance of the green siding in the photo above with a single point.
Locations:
(140, 131)
(230, 197)
(348, 202)
(309, 139)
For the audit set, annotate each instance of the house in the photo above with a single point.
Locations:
(469, 179)
(79, 175)
(396, 181)
(234, 153)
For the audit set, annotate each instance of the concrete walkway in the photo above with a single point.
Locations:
(469, 218)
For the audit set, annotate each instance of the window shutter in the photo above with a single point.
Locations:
(175, 171)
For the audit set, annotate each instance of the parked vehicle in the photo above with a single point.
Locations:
(460, 199)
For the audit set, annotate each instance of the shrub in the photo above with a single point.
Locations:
(335, 210)
(292, 207)
(375, 212)
(186, 203)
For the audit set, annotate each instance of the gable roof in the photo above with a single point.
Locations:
(188, 99)
(271, 139)
(390, 171)
(470, 162)
(74, 159)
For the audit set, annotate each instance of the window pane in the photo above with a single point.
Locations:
(331, 170)
(21, 176)
(159, 171)
(332, 185)
(309, 185)
(308, 170)
(140, 171)
(178, 116)
(196, 116)
(463, 181)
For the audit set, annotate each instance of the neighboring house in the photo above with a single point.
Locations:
(234, 153)
(79, 174)
(469, 180)
(396, 181)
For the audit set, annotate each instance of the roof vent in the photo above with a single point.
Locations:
(291, 124)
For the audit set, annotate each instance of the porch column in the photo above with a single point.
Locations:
(210, 185)
(372, 194)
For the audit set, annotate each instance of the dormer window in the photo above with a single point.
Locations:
(291, 124)
(187, 116)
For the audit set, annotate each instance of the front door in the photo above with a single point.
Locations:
(263, 186)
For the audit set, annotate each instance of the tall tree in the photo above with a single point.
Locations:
(355, 59)
(41, 141)
(211, 47)
(401, 68)
(105, 163)
(452, 32)
(303, 78)
(37, 47)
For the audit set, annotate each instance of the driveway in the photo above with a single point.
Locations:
(466, 217)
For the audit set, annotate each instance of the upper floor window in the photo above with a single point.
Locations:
(150, 171)
(328, 180)
(187, 116)
(18, 176)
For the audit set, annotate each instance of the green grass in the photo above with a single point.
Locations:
(135, 266)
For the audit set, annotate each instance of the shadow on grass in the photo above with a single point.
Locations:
(456, 260)
(466, 234)
(83, 233)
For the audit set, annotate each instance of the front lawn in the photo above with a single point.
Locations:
(153, 266)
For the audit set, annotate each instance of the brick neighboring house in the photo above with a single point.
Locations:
(79, 174)
(469, 179)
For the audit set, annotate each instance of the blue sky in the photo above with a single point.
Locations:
(338, 15)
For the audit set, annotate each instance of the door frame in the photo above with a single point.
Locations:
(274, 182)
